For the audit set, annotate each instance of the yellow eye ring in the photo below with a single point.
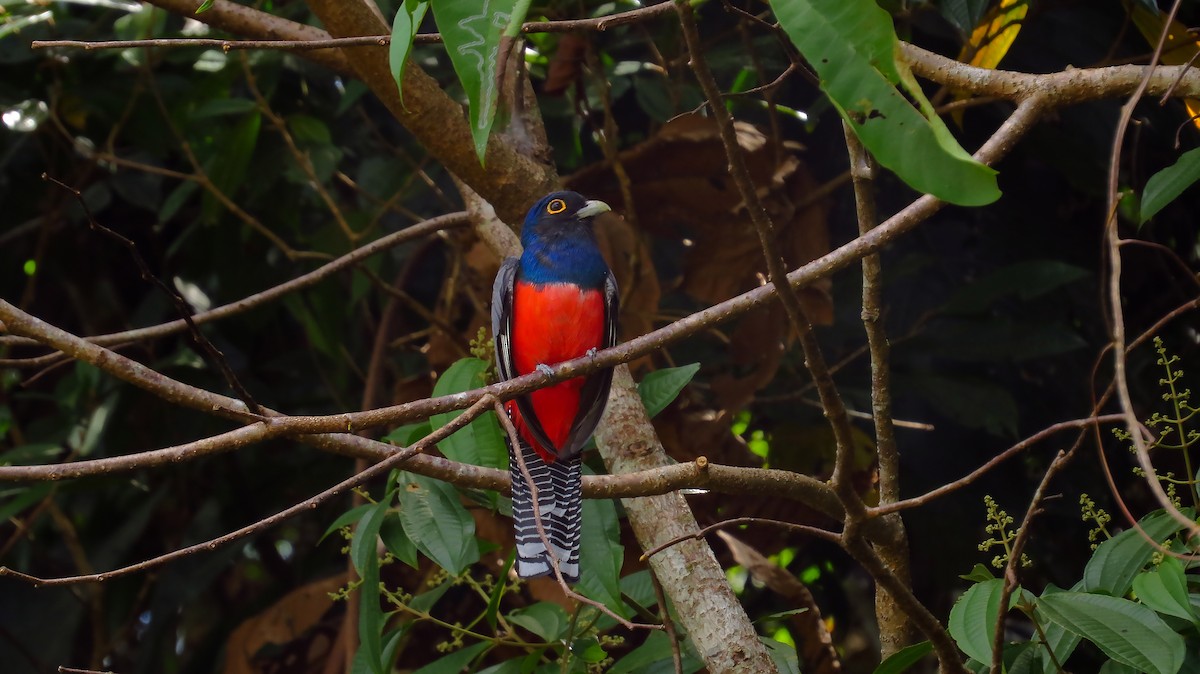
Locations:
(556, 206)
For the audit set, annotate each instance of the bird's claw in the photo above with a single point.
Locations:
(591, 353)
(545, 369)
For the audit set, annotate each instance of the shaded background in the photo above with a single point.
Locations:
(995, 313)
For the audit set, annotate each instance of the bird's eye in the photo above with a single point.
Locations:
(556, 206)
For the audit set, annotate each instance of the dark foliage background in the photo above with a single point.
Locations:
(995, 313)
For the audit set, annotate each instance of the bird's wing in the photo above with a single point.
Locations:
(502, 294)
(594, 394)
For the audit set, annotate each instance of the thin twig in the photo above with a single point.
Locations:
(816, 532)
(1113, 243)
(600, 23)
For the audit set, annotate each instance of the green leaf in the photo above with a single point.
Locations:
(1116, 561)
(347, 518)
(1165, 589)
(852, 46)
(661, 387)
(436, 522)
(456, 661)
(370, 615)
(425, 601)
(471, 31)
(979, 574)
(404, 29)
(545, 619)
(228, 169)
(601, 553)
(493, 605)
(220, 107)
(903, 659)
(481, 442)
(1026, 280)
(1127, 632)
(308, 130)
(964, 14)
(397, 542)
(973, 618)
(13, 501)
(363, 545)
(205, 6)
(406, 435)
(1164, 186)
(783, 655)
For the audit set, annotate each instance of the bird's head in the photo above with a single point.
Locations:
(559, 213)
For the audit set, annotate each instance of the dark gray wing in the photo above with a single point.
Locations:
(502, 295)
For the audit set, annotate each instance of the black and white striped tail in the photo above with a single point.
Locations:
(560, 502)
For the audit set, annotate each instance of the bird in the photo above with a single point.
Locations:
(556, 302)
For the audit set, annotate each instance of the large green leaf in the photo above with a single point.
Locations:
(1165, 590)
(1026, 280)
(471, 30)
(659, 388)
(1164, 186)
(404, 29)
(973, 618)
(1116, 561)
(601, 553)
(852, 46)
(362, 546)
(1127, 632)
(436, 522)
(481, 442)
(234, 149)
(545, 619)
(370, 616)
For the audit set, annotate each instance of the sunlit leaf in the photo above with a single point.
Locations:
(1180, 47)
(992, 37)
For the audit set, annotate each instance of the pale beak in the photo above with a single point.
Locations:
(592, 209)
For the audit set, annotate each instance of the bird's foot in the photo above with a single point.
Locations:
(591, 353)
(545, 369)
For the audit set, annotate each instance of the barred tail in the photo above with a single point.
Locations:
(560, 503)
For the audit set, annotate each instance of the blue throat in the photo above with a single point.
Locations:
(562, 253)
